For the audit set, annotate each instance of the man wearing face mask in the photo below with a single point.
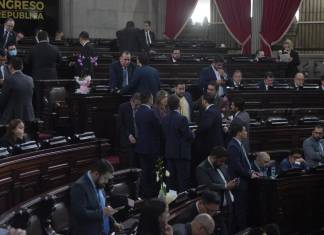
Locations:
(11, 51)
(7, 35)
(90, 214)
(313, 148)
(44, 58)
(17, 94)
(213, 173)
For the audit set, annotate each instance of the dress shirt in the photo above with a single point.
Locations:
(184, 108)
(125, 77)
(218, 77)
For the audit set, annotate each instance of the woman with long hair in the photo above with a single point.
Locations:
(15, 133)
(160, 106)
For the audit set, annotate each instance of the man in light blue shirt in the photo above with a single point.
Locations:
(313, 148)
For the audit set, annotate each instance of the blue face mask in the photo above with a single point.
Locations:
(13, 52)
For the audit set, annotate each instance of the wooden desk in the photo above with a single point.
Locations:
(295, 203)
(27, 175)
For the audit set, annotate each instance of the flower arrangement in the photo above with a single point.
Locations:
(86, 66)
(161, 175)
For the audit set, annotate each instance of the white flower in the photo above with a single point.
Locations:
(167, 173)
(163, 185)
(157, 178)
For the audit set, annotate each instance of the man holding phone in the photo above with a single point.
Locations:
(90, 214)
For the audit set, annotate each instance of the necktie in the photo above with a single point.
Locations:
(321, 149)
(246, 157)
(5, 37)
(125, 77)
(105, 219)
(231, 197)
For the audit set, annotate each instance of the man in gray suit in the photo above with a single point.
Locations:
(313, 148)
(213, 173)
(17, 95)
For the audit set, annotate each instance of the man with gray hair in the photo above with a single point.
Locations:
(203, 224)
(7, 35)
(262, 164)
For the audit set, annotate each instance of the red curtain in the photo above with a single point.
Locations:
(177, 14)
(236, 17)
(277, 17)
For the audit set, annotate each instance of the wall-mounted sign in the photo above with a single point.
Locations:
(31, 15)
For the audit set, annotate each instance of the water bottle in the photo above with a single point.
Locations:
(273, 172)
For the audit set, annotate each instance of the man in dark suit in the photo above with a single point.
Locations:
(298, 83)
(201, 224)
(89, 213)
(7, 35)
(186, 105)
(240, 116)
(44, 58)
(128, 39)
(210, 132)
(214, 72)
(178, 138)
(146, 36)
(212, 90)
(147, 146)
(239, 167)
(86, 55)
(267, 83)
(209, 203)
(121, 72)
(175, 57)
(126, 124)
(17, 95)
(213, 173)
(262, 164)
(145, 78)
(3, 59)
(235, 82)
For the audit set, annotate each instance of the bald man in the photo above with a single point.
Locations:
(299, 80)
(262, 164)
(202, 224)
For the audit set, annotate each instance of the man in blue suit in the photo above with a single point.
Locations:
(239, 167)
(89, 213)
(147, 146)
(214, 72)
(178, 138)
(210, 132)
(121, 72)
(127, 133)
(186, 104)
(295, 160)
(145, 79)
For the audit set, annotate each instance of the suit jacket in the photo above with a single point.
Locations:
(145, 79)
(4, 72)
(262, 86)
(116, 74)
(187, 215)
(128, 40)
(125, 123)
(231, 83)
(16, 98)
(238, 165)
(142, 40)
(86, 213)
(243, 118)
(209, 133)
(149, 131)
(207, 175)
(11, 37)
(87, 51)
(182, 229)
(206, 76)
(44, 58)
(178, 136)
(292, 67)
(313, 153)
